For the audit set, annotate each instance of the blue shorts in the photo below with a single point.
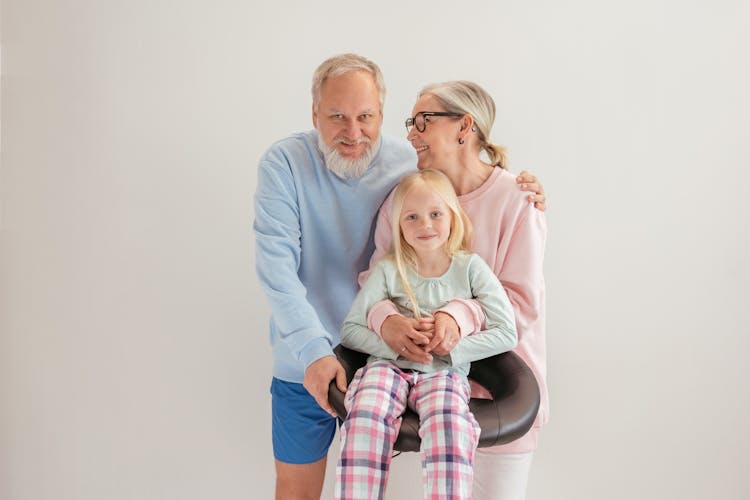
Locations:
(301, 430)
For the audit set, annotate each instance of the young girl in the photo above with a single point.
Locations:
(429, 266)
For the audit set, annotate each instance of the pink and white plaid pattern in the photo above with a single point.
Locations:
(375, 401)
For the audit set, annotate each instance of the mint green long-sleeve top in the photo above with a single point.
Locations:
(467, 277)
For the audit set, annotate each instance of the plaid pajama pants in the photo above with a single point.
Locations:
(375, 401)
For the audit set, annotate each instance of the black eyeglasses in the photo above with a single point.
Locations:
(420, 122)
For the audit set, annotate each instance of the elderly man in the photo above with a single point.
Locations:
(317, 195)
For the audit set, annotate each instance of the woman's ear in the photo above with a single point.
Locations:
(467, 122)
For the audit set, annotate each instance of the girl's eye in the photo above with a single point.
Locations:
(411, 217)
(435, 215)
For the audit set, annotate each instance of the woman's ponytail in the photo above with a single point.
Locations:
(497, 155)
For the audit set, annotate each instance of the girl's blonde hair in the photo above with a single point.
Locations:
(459, 239)
(468, 98)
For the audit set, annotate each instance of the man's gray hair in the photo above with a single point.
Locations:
(342, 64)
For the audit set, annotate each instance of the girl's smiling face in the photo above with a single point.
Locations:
(425, 221)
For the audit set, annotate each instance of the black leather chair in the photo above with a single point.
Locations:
(505, 418)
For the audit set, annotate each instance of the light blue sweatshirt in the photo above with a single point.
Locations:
(313, 236)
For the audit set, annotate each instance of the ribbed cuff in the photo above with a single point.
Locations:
(379, 313)
(314, 350)
(468, 314)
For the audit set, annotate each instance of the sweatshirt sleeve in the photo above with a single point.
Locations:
(468, 315)
(277, 253)
(500, 333)
(354, 333)
(521, 273)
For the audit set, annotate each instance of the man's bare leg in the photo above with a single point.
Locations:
(300, 481)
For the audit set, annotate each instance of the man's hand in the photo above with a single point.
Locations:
(408, 337)
(446, 336)
(529, 182)
(318, 377)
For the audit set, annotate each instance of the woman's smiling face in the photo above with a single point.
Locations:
(438, 144)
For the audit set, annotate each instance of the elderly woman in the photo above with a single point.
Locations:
(449, 129)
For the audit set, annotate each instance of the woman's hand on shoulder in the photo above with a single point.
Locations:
(528, 182)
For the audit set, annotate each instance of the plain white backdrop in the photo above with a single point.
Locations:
(134, 358)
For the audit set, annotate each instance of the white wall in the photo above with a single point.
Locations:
(133, 357)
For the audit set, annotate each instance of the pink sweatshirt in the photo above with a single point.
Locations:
(509, 234)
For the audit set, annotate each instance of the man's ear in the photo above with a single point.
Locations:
(314, 116)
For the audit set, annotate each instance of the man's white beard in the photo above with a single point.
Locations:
(344, 167)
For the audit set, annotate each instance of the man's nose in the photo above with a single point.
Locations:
(353, 129)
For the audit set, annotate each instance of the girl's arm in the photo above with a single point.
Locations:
(500, 333)
(354, 332)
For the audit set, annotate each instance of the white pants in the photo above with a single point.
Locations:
(501, 476)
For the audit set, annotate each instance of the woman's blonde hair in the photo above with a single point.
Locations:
(468, 98)
(459, 239)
